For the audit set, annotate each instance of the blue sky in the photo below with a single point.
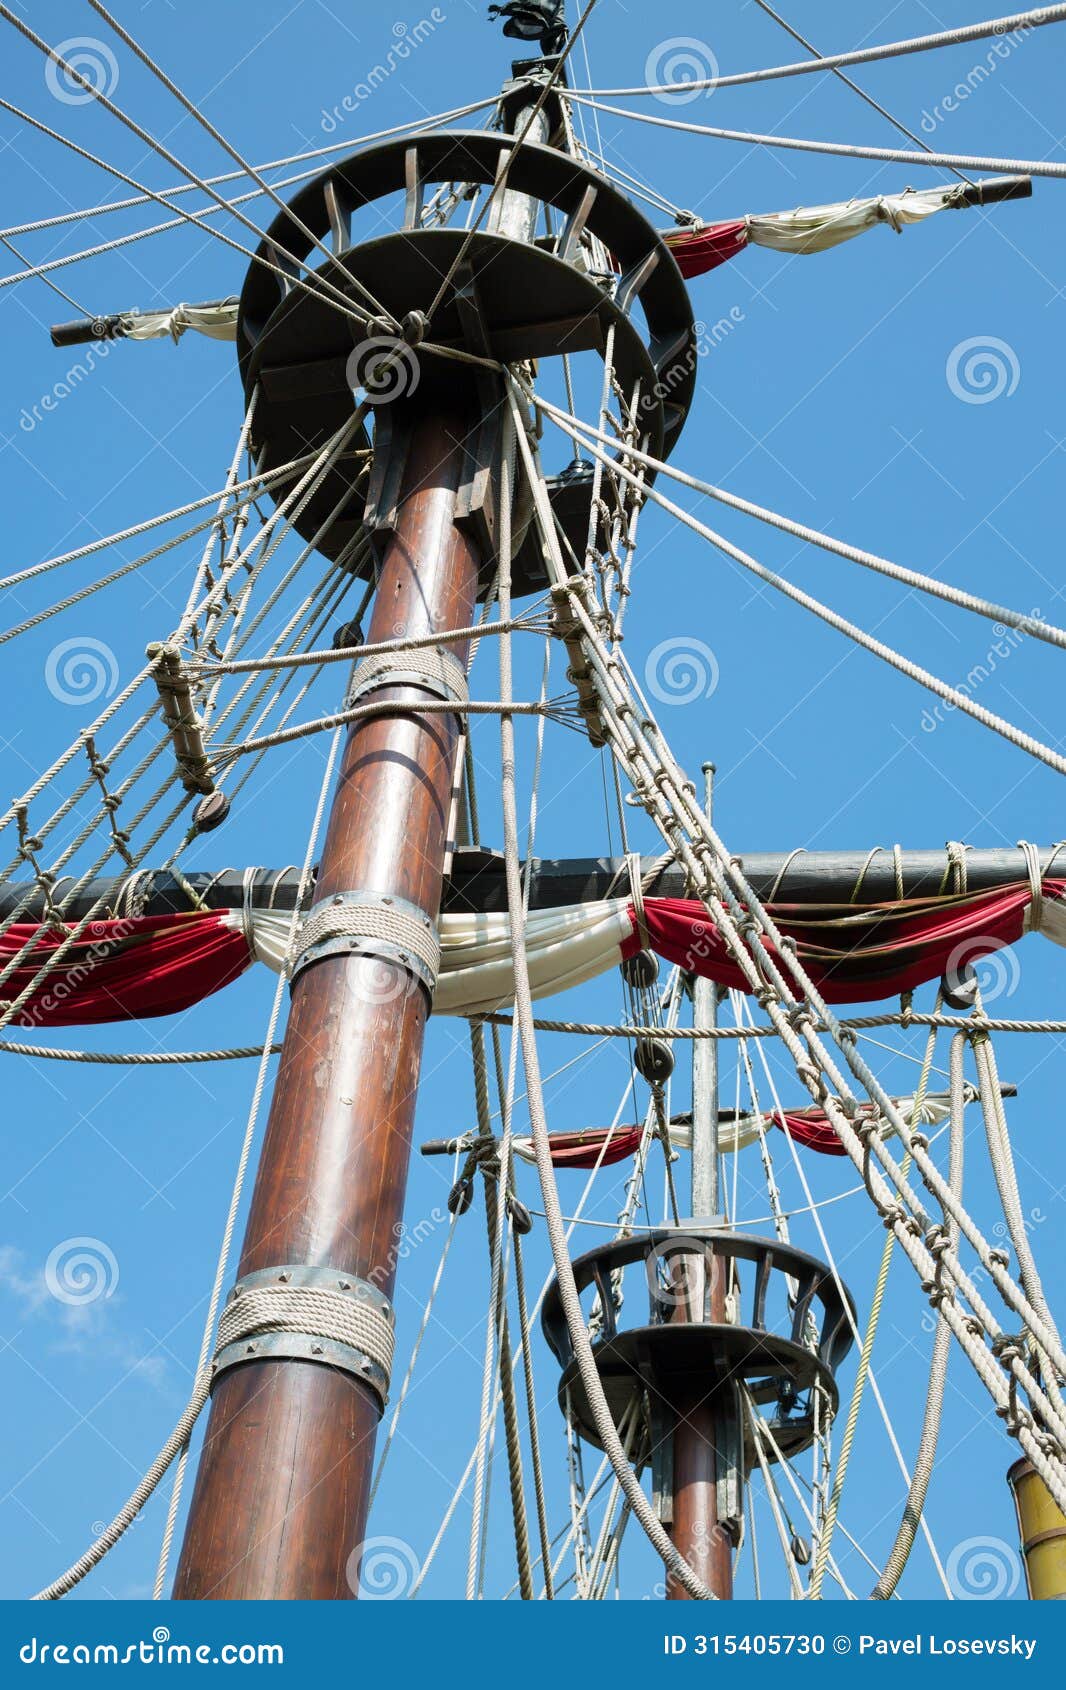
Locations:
(827, 397)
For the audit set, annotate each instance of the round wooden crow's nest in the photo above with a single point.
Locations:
(508, 301)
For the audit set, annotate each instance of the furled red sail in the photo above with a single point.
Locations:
(813, 228)
(855, 953)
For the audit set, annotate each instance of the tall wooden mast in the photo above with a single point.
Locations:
(301, 1373)
(281, 1495)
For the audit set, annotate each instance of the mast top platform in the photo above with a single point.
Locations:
(604, 281)
(788, 1335)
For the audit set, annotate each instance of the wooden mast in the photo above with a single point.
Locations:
(701, 1443)
(281, 1495)
(281, 1498)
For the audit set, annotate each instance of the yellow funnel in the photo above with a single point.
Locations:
(1042, 1527)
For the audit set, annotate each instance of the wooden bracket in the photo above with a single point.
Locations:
(180, 718)
(566, 627)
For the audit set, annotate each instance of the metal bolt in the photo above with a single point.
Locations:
(284, 1278)
(316, 1349)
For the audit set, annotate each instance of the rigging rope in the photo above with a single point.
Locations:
(263, 479)
(192, 217)
(821, 1559)
(186, 187)
(177, 1444)
(552, 81)
(1032, 19)
(764, 5)
(573, 427)
(605, 1427)
(670, 800)
(814, 1209)
(914, 671)
(914, 1506)
(291, 215)
(840, 149)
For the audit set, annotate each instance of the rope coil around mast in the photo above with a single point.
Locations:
(310, 1313)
